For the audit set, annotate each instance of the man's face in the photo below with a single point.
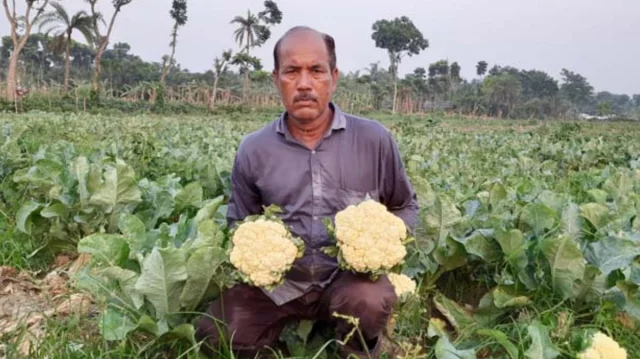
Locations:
(304, 78)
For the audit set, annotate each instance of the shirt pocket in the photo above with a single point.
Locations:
(348, 197)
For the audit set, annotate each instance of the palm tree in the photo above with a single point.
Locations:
(248, 31)
(59, 21)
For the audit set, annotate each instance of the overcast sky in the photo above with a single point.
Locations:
(596, 38)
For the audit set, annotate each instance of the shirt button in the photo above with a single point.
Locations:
(313, 152)
(315, 218)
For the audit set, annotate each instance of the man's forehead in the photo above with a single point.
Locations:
(304, 48)
(303, 40)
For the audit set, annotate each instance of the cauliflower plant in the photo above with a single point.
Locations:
(263, 250)
(603, 347)
(369, 239)
(402, 284)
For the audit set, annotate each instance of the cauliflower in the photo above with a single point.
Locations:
(263, 250)
(602, 346)
(402, 284)
(369, 239)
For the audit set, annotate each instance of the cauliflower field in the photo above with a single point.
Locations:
(527, 244)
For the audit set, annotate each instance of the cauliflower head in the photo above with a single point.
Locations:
(603, 346)
(402, 284)
(263, 251)
(369, 238)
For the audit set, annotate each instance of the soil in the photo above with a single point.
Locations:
(26, 302)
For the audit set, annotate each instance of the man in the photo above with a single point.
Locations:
(312, 162)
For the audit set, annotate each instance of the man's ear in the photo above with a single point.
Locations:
(274, 77)
(335, 74)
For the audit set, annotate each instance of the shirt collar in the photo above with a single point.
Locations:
(339, 121)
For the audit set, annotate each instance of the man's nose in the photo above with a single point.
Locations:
(304, 81)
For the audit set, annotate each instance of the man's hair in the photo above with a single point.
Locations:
(328, 41)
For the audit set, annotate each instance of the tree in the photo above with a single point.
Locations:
(502, 92)
(439, 78)
(575, 87)
(537, 84)
(481, 68)
(101, 42)
(58, 20)
(178, 13)
(219, 67)
(399, 37)
(253, 31)
(246, 35)
(19, 40)
(454, 77)
(271, 15)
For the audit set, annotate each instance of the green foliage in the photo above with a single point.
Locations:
(575, 87)
(398, 36)
(526, 239)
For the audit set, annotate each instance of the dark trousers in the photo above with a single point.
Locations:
(251, 321)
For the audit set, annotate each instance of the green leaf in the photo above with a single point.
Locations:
(126, 280)
(553, 200)
(189, 196)
(183, 331)
(135, 233)
(612, 253)
(108, 249)
(497, 196)
(23, 216)
(450, 256)
(505, 297)
(618, 185)
(502, 339)
(441, 217)
(631, 296)
(81, 171)
(208, 209)
(437, 328)
(484, 247)
(571, 221)
(598, 195)
(201, 268)
(147, 324)
(566, 263)
(596, 213)
(538, 217)
(162, 279)
(457, 316)
(115, 324)
(117, 187)
(513, 247)
(541, 346)
(304, 329)
(591, 287)
(445, 350)
(53, 210)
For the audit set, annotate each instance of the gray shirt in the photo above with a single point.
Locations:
(355, 158)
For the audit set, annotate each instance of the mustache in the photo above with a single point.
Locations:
(305, 97)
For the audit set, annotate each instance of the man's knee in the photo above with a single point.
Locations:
(370, 301)
(238, 317)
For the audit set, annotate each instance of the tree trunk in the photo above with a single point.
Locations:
(67, 62)
(395, 91)
(166, 70)
(104, 41)
(11, 76)
(212, 103)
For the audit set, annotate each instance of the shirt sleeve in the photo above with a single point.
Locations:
(245, 198)
(397, 192)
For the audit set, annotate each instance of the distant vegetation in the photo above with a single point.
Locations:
(52, 72)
